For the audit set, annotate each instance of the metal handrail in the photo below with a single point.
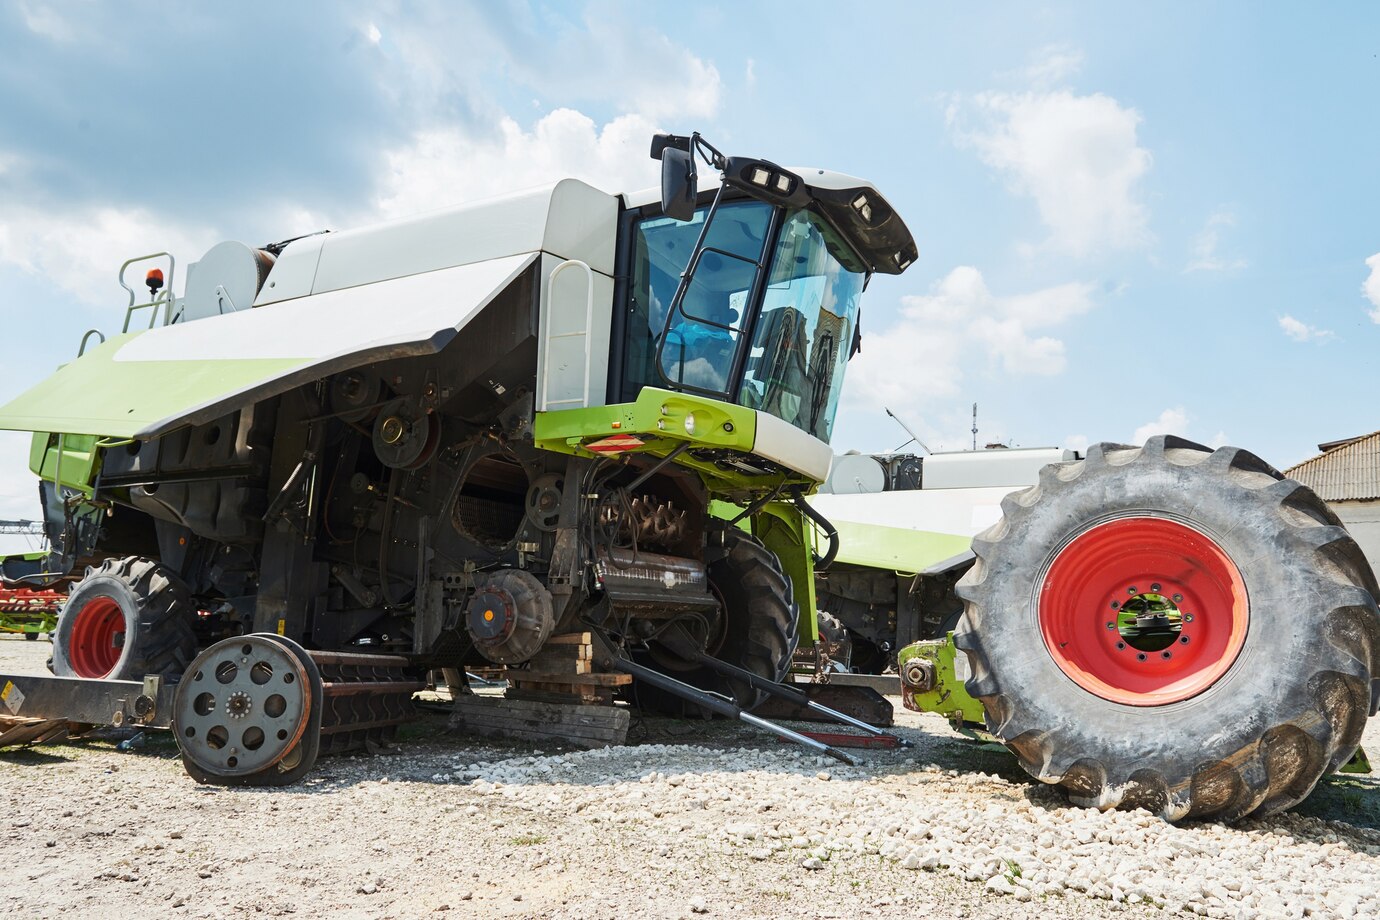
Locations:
(162, 299)
(81, 350)
(544, 402)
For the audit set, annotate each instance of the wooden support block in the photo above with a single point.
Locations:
(566, 652)
(566, 677)
(583, 638)
(534, 720)
(547, 666)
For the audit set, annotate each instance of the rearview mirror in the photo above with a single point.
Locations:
(678, 183)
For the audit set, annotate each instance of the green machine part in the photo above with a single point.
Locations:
(75, 458)
(661, 422)
(932, 676)
(930, 682)
(25, 611)
(27, 623)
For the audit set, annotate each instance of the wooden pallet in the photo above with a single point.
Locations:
(563, 672)
(533, 720)
(556, 696)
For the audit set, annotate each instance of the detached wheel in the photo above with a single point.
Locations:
(1172, 628)
(757, 629)
(126, 619)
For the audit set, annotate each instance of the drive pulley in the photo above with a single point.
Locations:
(248, 711)
(256, 710)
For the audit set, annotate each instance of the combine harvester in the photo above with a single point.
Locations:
(571, 433)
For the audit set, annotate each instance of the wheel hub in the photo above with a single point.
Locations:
(1143, 611)
(97, 638)
(242, 706)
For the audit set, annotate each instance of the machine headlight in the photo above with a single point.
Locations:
(690, 423)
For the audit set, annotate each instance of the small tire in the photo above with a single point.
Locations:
(31, 637)
(128, 618)
(760, 635)
(1075, 686)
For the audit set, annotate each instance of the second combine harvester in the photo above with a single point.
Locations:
(447, 439)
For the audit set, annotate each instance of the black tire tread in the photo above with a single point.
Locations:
(165, 641)
(1301, 740)
(772, 633)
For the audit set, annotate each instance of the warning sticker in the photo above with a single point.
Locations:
(12, 697)
(615, 444)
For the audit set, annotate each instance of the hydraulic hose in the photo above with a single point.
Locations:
(830, 531)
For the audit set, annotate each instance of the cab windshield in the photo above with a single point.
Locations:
(788, 359)
(804, 335)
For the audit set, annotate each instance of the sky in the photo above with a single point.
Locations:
(1132, 219)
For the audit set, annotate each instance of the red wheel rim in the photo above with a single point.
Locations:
(1193, 596)
(97, 638)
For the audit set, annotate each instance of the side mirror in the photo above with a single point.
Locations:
(678, 183)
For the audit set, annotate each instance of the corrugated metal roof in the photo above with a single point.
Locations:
(1349, 472)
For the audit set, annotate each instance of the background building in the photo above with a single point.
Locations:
(1346, 475)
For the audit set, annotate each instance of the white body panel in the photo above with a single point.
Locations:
(573, 351)
(783, 443)
(986, 468)
(569, 219)
(851, 474)
(962, 512)
(372, 318)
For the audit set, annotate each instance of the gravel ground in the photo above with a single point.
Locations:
(693, 819)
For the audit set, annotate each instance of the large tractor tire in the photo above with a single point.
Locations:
(1173, 628)
(126, 619)
(759, 629)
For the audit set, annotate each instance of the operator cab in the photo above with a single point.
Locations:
(750, 292)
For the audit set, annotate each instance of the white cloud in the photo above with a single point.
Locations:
(1053, 64)
(1302, 332)
(608, 56)
(1371, 287)
(1205, 255)
(1078, 442)
(80, 250)
(1078, 158)
(750, 74)
(1171, 421)
(373, 34)
(42, 19)
(944, 331)
(446, 165)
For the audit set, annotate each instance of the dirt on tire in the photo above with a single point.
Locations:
(155, 633)
(1287, 709)
(760, 634)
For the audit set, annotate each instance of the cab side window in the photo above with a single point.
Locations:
(697, 345)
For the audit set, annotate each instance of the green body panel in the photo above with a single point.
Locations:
(81, 459)
(659, 417)
(27, 621)
(895, 548)
(949, 698)
(34, 623)
(97, 395)
(790, 535)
